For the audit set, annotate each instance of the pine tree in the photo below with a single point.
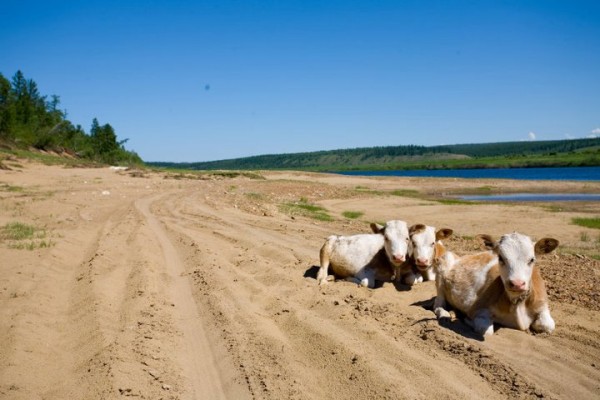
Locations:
(28, 119)
(7, 112)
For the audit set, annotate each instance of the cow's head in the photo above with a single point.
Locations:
(423, 239)
(396, 239)
(516, 258)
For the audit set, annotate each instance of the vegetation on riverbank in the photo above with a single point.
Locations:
(587, 222)
(31, 121)
(556, 153)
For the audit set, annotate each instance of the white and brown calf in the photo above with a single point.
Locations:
(419, 266)
(365, 258)
(502, 285)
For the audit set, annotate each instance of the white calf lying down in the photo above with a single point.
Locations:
(502, 285)
(419, 265)
(367, 257)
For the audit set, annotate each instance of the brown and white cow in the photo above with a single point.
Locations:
(502, 285)
(365, 258)
(418, 267)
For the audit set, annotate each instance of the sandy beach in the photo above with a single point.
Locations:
(159, 286)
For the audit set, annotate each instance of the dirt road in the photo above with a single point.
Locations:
(149, 287)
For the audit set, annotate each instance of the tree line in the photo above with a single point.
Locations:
(30, 120)
(411, 156)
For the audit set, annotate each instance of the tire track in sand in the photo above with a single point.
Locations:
(196, 356)
(286, 338)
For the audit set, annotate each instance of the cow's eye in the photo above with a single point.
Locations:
(531, 261)
(501, 260)
(432, 244)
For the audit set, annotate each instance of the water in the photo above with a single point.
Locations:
(534, 197)
(562, 173)
(566, 173)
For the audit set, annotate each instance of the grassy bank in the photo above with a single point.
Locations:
(559, 153)
(555, 160)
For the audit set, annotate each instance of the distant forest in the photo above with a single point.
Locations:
(576, 152)
(29, 120)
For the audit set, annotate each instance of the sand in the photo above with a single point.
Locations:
(155, 286)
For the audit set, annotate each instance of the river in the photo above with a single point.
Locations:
(559, 173)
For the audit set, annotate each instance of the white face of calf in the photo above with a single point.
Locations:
(396, 240)
(516, 258)
(423, 239)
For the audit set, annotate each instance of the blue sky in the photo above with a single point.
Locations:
(209, 80)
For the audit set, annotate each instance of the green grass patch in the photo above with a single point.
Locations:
(31, 245)
(304, 208)
(451, 202)
(310, 207)
(371, 192)
(18, 231)
(18, 235)
(405, 193)
(587, 222)
(235, 174)
(51, 159)
(10, 188)
(353, 214)
(480, 190)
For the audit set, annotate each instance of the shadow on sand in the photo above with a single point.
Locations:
(456, 325)
(313, 270)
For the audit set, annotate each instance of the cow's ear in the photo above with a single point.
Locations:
(545, 245)
(376, 228)
(443, 233)
(487, 240)
(416, 228)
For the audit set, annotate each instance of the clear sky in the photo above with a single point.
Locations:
(210, 80)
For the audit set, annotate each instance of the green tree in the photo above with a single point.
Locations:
(27, 118)
(7, 111)
(104, 141)
(24, 106)
(29, 109)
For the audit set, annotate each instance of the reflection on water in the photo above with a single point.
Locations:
(535, 197)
